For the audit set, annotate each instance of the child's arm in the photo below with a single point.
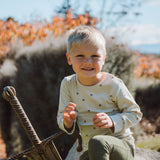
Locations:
(66, 113)
(129, 111)
(69, 115)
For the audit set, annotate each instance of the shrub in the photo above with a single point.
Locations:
(120, 62)
(148, 99)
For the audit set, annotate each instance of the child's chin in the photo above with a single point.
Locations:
(88, 76)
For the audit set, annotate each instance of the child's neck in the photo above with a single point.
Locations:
(93, 80)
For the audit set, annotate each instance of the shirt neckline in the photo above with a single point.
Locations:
(92, 86)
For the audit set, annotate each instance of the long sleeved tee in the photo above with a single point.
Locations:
(110, 96)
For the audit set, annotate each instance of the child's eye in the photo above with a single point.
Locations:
(80, 55)
(95, 56)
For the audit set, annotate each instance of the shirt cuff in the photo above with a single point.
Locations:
(118, 123)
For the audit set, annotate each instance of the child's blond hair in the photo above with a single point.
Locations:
(86, 34)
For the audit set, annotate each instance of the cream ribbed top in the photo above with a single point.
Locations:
(110, 96)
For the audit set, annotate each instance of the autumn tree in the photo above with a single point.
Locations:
(108, 13)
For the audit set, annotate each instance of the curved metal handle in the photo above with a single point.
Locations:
(9, 94)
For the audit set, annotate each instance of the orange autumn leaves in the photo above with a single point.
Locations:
(148, 66)
(11, 32)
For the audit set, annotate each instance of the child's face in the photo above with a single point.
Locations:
(87, 60)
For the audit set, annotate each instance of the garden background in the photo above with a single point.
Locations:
(32, 59)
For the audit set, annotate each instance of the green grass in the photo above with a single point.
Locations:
(153, 144)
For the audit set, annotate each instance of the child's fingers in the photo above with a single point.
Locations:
(71, 107)
(96, 120)
(104, 126)
(66, 115)
(101, 123)
(67, 118)
(72, 104)
(73, 115)
(70, 115)
(99, 115)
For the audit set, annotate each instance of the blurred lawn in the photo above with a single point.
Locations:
(153, 144)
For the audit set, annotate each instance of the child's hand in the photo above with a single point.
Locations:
(102, 120)
(69, 115)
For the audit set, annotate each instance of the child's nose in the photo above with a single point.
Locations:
(88, 60)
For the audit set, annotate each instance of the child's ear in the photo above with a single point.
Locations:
(68, 59)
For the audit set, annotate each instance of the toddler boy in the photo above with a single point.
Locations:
(99, 102)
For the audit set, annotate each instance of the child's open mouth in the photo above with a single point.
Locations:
(88, 69)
